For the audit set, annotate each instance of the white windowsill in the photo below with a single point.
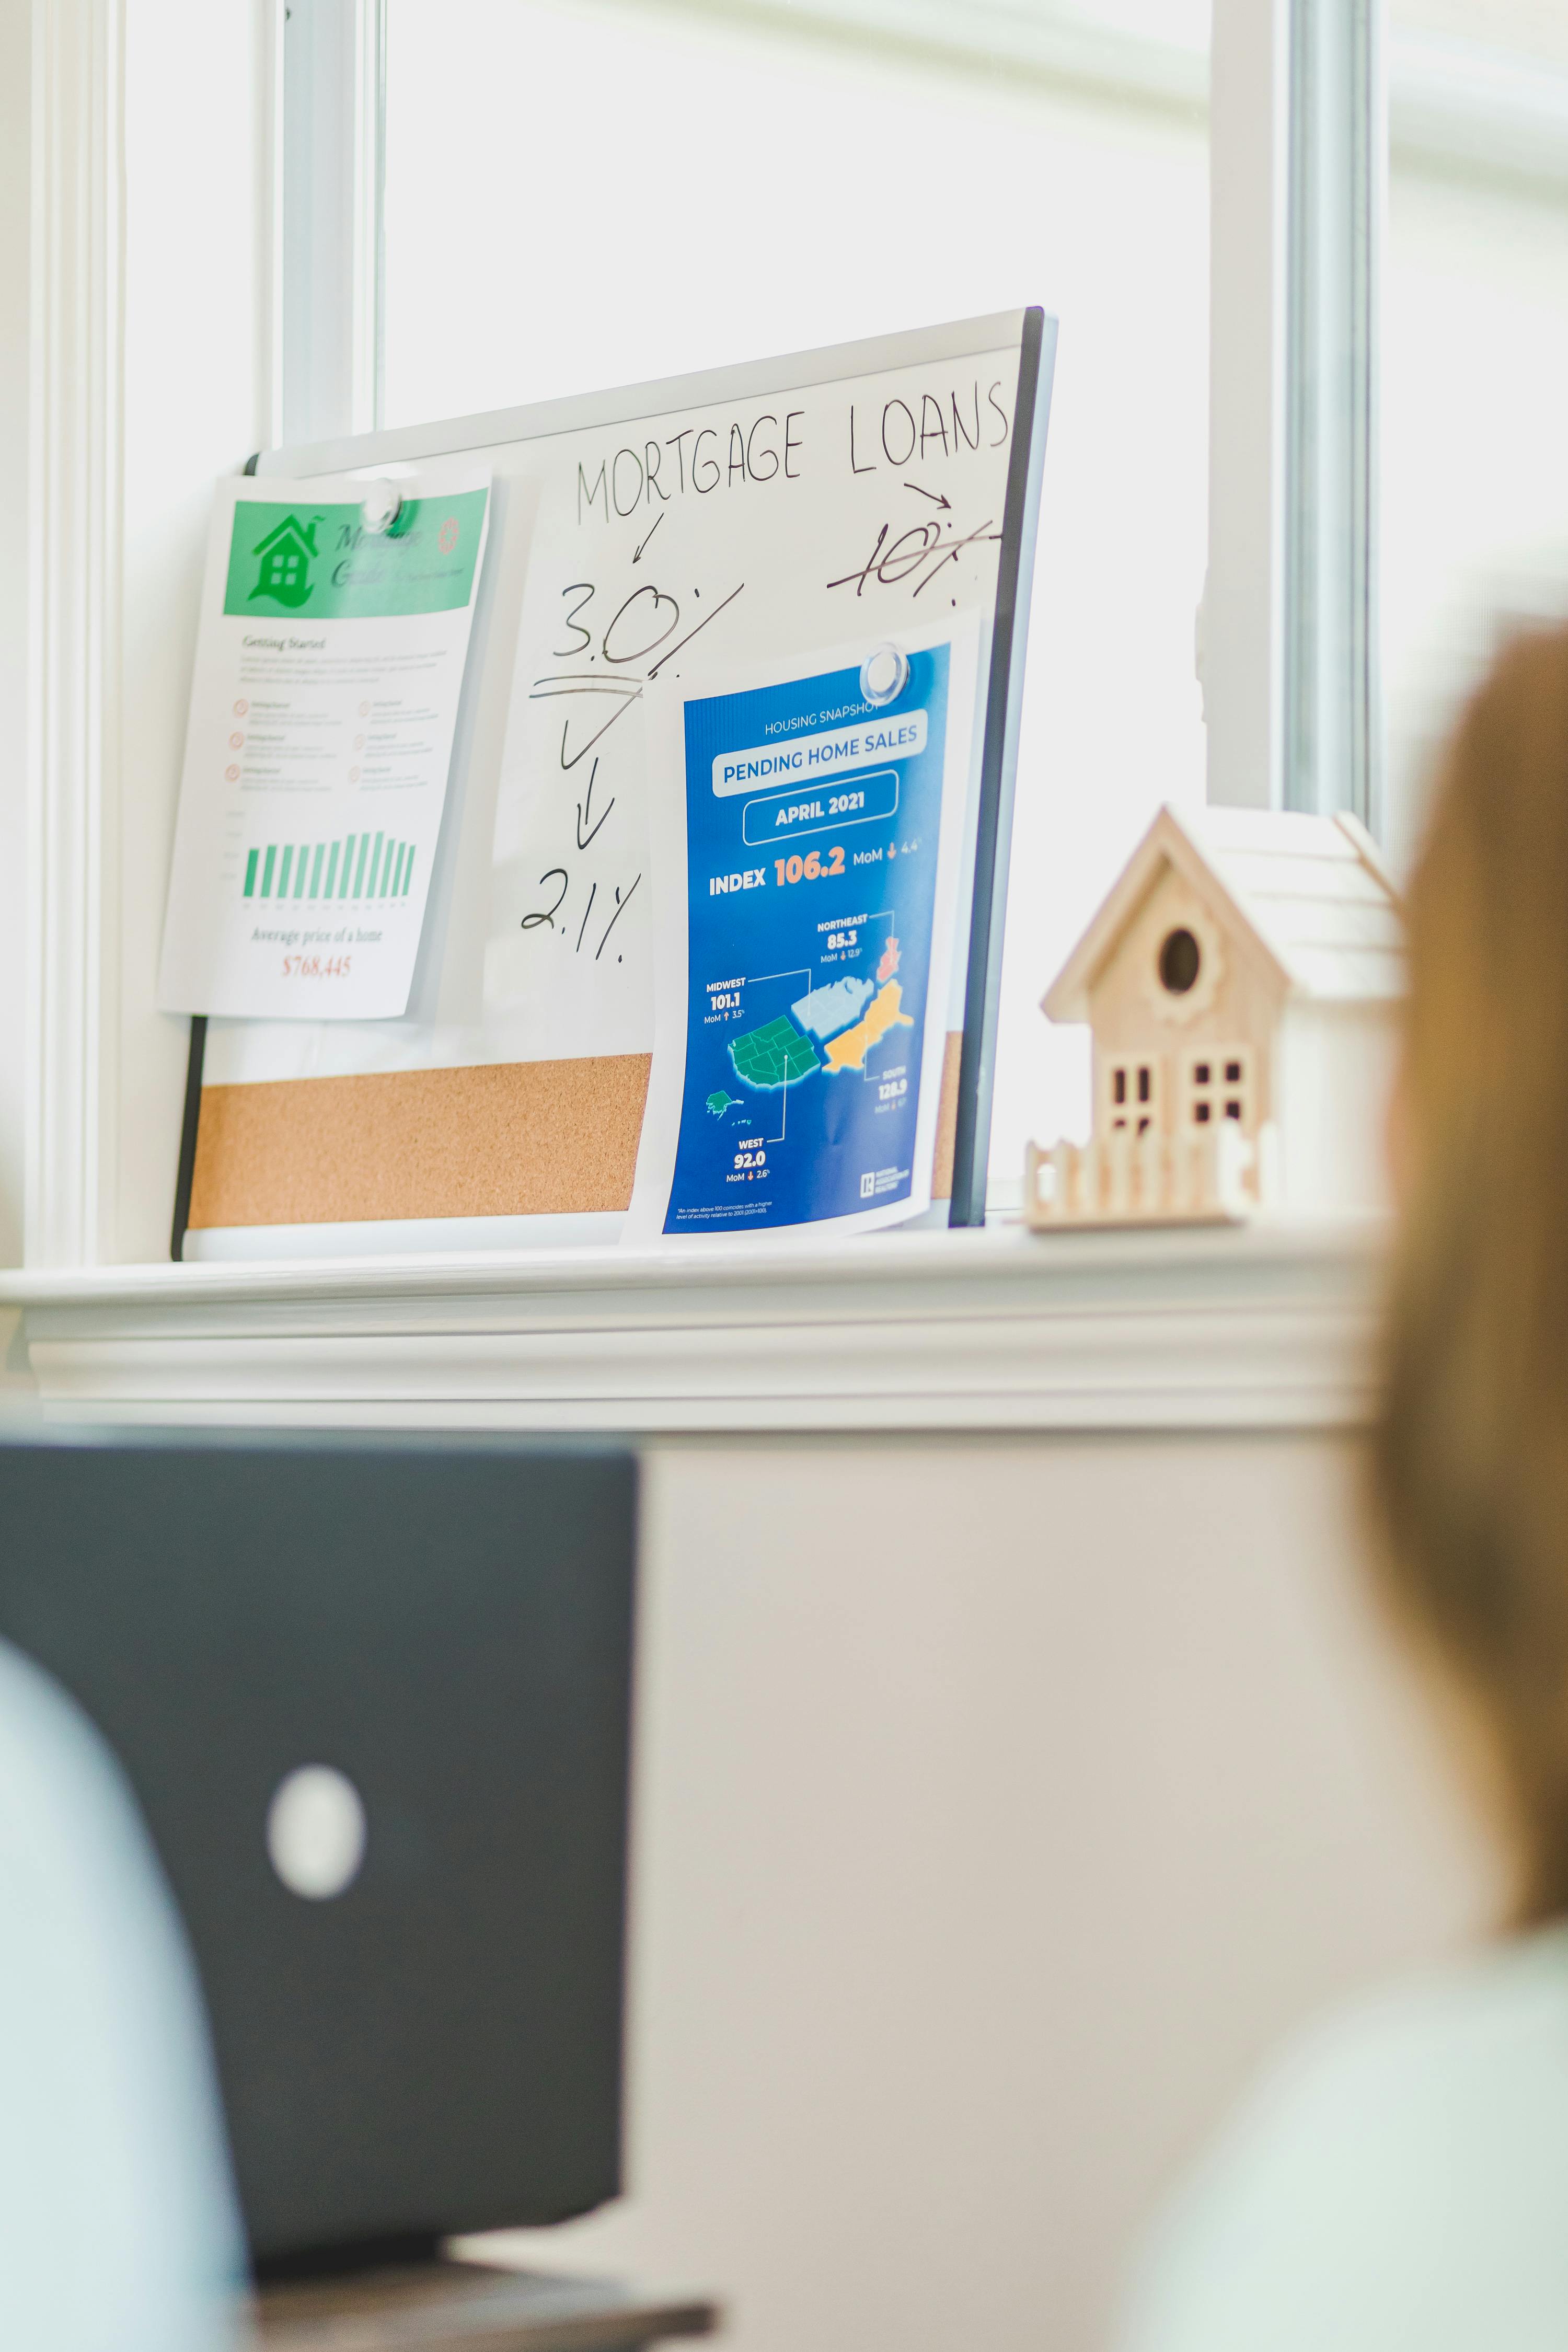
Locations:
(1264, 1326)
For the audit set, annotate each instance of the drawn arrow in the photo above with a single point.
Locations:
(585, 811)
(935, 500)
(637, 552)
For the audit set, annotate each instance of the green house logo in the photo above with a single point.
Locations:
(286, 556)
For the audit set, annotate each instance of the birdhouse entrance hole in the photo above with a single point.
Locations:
(1180, 960)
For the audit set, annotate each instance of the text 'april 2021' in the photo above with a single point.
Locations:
(860, 799)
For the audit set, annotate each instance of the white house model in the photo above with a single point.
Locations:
(1240, 983)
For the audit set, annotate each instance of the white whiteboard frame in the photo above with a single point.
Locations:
(661, 395)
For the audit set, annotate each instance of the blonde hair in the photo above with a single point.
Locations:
(1471, 1456)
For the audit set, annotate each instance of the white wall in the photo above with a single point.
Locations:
(999, 1802)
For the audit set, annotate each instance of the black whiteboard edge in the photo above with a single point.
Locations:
(998, 771)
(625, 404)
(184, 1174)
(192, 1120)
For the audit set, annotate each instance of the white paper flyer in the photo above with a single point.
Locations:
(329, 662)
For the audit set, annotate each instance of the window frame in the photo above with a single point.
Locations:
(1287, 631)
(1297, 135)
(331, 294)
(101, 460)
(1298, 142)
(1337, 202)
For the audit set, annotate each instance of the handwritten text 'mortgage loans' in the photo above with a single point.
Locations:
(902, 434)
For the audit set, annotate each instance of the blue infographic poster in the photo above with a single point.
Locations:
(799, 1055)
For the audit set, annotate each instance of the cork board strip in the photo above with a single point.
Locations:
(493, 1140)
(946, 1119)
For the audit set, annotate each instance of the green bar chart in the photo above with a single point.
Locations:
(357, 867)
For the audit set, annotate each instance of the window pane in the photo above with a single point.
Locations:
(1475, 358)
(590, 194)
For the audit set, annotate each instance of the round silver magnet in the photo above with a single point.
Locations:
(381, 505)
(884, 675)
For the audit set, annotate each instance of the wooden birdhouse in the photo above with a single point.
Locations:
(1240, 983)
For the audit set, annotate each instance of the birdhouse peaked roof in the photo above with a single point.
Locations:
(1310, 893)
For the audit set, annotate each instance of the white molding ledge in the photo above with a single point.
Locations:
(1265, 1328)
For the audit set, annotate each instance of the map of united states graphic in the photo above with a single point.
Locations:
(848, 1050)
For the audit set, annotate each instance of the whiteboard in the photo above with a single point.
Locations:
(750, 512)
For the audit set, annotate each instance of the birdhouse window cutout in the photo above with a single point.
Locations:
(1240, 984)
(1132, 1096)
(1218, 1088)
